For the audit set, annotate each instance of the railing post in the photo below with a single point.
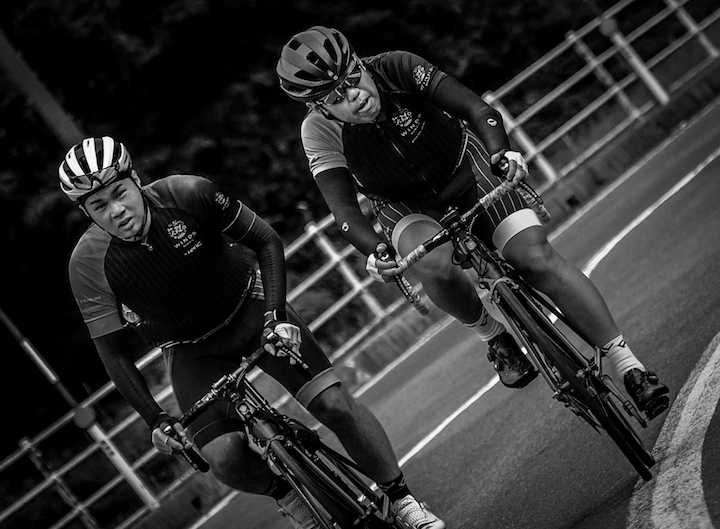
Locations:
(602, 73)
(692, 27)
(526, 144)
(85, 418)
(60, 486)
(609, 28)
(324, 243)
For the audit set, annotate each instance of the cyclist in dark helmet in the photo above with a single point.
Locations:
(155, 264)
(414, 140)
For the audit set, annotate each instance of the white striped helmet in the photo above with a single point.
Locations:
(93, 164)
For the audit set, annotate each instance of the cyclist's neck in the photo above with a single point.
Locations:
(142, 233)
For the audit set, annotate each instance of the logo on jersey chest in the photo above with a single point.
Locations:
(411, 125)
(186, 240)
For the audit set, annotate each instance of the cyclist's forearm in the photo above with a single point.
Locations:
(260, 237)
(340, 195)
(356, 228)
(268, 246)
(117, 351)
(484, 120)
(271, 260)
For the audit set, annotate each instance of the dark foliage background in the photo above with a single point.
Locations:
(189, 86)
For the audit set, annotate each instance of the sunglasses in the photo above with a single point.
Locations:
(98, 179)
(352, 79)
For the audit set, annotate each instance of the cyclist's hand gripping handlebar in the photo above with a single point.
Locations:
(169, 437)
(520, 173)
(280, 349)
(385, 254)
(189, 454)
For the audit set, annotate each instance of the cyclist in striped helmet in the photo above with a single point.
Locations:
(155, 264)
(414, 140)
(93, 165)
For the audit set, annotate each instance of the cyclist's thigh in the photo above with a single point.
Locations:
(407, 226)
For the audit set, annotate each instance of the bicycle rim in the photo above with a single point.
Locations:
(546, 336)
(623, 434)
(338, 509)
(631, 436)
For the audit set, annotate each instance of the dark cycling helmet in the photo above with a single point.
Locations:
(92, 164)
(313, 62)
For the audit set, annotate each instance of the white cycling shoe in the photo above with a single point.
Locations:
(415, 515)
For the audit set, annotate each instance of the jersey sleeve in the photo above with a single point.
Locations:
(202, 198)
(93, 295)
(406, 71)
(322, 142)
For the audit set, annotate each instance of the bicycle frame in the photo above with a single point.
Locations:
(295, 452)
(578, 381)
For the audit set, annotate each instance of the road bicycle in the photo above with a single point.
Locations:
(570, 365)
(334, 487)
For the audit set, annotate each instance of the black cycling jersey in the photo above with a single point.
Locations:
(409, 152)
(180, 284)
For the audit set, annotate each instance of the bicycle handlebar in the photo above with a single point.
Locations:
(445, 234)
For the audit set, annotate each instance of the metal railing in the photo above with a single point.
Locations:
(624, 89)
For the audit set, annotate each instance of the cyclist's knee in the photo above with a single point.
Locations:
(532, 255)
(233, 463)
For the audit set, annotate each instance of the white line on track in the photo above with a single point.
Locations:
(429, 437)
(605, 250)
(674, 499)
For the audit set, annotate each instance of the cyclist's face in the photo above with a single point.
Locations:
(361, 103)
(118, 209)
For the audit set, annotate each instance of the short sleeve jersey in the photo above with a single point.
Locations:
(409, 152)
(182, 283)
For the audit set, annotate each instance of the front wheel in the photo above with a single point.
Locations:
(584, 386)
(333, 502)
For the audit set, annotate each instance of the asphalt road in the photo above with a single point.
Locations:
(516, 458)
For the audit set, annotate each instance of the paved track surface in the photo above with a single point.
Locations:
(517, 459)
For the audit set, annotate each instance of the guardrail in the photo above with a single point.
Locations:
(616, 74)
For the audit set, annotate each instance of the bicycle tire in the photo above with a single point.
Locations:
(521, 306)
(354, 483)
(335, 510)
(607, 398)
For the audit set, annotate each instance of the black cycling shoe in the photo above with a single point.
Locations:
(649, 394)
(513, 368)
